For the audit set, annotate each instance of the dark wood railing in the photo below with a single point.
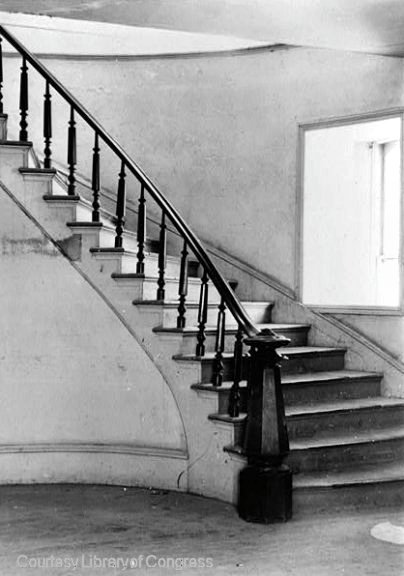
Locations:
(228, 303)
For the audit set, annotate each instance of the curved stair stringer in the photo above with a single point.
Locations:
(93, 462)
(362, 352)
(208, 470)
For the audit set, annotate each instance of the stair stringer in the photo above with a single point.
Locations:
(91, 459)
(362, 353)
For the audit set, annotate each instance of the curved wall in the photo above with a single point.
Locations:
(81, 400)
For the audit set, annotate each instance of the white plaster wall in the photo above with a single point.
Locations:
(219, 135)
(386, 331)
(70, 372)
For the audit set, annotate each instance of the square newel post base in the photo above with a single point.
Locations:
(265, 494)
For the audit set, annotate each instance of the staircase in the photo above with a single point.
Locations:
(343, 433)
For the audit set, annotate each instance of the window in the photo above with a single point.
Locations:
(352, 214)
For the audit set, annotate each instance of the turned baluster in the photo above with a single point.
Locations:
(47, 127)
(95, 181)
(162, 258)
(120, 207)
(71, 154)
(24, 101)
(183, 287)
(141, 232)
(234, 398)
(202, 315)
(218, 365)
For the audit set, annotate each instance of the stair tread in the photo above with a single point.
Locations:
(390, 471)
(337, 440)
(300, 378)
(174, 303)
(328, 375)
(209, 328)
(348, 439)
(343, 405)
(325, 407)
(293, 351)
(310, 350)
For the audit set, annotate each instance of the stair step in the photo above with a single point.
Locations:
(168, 311)
(326, 386)
(125, 261)
(186, 337)
(361, 486)
(327, 420)
(311, 359)
(322, 420)
(299, 359)
(144, 290)
(307, 389)
(342, 451)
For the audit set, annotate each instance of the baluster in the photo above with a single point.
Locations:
(24, 101)
(120, 207)
(96, 180)
(1, 76)
(141, 232)
(218, 366)
(183, 287)
(162, 258)
(234, 398)
(47, 127)
(71, 154)
(202, 315)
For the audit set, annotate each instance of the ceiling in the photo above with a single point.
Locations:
(374, 26)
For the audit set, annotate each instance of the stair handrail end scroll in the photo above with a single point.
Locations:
(264, 376)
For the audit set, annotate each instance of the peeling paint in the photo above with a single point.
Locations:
(19, 246)
(71, 247)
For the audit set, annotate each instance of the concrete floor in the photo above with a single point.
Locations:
(91, 523)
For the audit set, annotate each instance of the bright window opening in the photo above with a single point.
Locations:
(352, 214)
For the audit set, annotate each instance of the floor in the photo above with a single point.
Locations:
(96, 530)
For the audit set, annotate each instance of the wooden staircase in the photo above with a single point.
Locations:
(343, 433)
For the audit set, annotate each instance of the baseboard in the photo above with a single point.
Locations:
(92, 463)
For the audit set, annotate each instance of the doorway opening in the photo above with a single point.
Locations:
(352, 190)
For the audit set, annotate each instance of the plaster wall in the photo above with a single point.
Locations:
(75, 383)
(220, 135)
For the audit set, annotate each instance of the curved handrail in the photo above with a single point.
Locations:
(230, 299)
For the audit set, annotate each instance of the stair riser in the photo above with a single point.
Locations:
(342, 458)
(310, 393)
(313, 363)
(360, 496)
(187, 342)
(126, 264)
(326, 424)
(208, 370)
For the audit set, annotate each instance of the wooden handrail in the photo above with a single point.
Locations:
(230, 299)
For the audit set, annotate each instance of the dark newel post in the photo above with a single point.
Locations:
(183, 287)
(162, 258)
(24, 101)
(218, 366)
(120, 207)
(1, 76)
(71, 154)
(141, 232)
(47, 127)
(95, 181)
(234, 398)
(265, 493)
(202, 315)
